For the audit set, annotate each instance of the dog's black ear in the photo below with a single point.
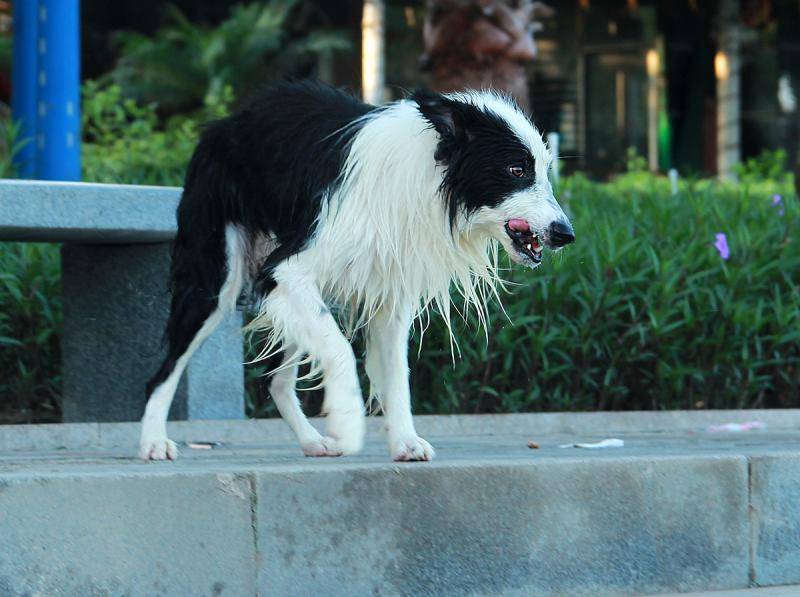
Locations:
(439, 111)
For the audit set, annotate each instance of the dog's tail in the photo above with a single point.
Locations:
(199, 264)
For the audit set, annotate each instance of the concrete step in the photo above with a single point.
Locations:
(676, 509)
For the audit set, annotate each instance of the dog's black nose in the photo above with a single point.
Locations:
(560, 233)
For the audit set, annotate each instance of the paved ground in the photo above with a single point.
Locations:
(675, 509)
(268, 444)
(94, 435)
(450, 450)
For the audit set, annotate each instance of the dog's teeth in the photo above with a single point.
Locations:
(528, 246)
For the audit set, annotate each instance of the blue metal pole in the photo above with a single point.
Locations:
(24, 85)
(58, 144)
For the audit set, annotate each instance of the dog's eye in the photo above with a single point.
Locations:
(517, 170)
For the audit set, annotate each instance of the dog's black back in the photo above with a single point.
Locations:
(266, 167)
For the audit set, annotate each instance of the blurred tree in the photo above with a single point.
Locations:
(482, 43)
(187, 65)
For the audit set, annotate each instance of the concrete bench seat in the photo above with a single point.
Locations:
(115, 264)
(47, 211)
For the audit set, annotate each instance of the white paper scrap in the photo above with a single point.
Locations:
(737, 427)
(606, 443)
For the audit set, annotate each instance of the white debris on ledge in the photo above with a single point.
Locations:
(606, 443)
(737, 427)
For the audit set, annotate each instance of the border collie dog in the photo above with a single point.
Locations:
(326, 214)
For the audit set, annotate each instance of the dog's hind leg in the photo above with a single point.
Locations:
(282, 389)
(298, 316)
(387, 367)
(198, 306)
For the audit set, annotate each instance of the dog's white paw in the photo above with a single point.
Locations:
(411, 448)
(158, 449)
(346, 431)
(321, 446)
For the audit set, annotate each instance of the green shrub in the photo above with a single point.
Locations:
(125, 143)
(9, 146)
(641, 313)
(768, 166)
(30, 324)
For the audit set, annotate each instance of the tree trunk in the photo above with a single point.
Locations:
(482, 44)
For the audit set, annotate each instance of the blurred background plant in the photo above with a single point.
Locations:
(127, 142)
(643, 312)
(186, 66)
(30, 323)
(766, 166)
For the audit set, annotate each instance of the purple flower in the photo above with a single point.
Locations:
(777, 201)
(722, 246)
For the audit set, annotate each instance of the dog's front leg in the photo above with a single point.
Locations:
(387, 367)
(299, 318)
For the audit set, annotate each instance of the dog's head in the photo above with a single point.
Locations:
(495, 172)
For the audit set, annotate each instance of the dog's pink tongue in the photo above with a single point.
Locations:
(519, 225)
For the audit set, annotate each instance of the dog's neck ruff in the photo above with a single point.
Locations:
(384, 241)
(384, 238)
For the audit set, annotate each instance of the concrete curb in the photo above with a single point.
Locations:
(576, 526)
(671, 511)
(72, 436)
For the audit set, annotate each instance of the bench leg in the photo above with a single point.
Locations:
(115, 308)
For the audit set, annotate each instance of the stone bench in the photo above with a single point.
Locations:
(115, 264)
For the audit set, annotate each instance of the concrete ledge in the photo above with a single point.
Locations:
(674, 510)
(775, 488)
(573, 527)
(112, 435)
(46, 211)
(126, 535)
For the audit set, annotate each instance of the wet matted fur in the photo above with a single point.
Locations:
(308, 200)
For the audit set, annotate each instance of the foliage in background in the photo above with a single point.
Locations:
(187, 65)
(10, 144)
(768, 165)
(124, 141)
(642, 312)
(30, 323)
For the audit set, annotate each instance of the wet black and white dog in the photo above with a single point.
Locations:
(308, 200)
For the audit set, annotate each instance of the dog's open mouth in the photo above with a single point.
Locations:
(525, 241)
